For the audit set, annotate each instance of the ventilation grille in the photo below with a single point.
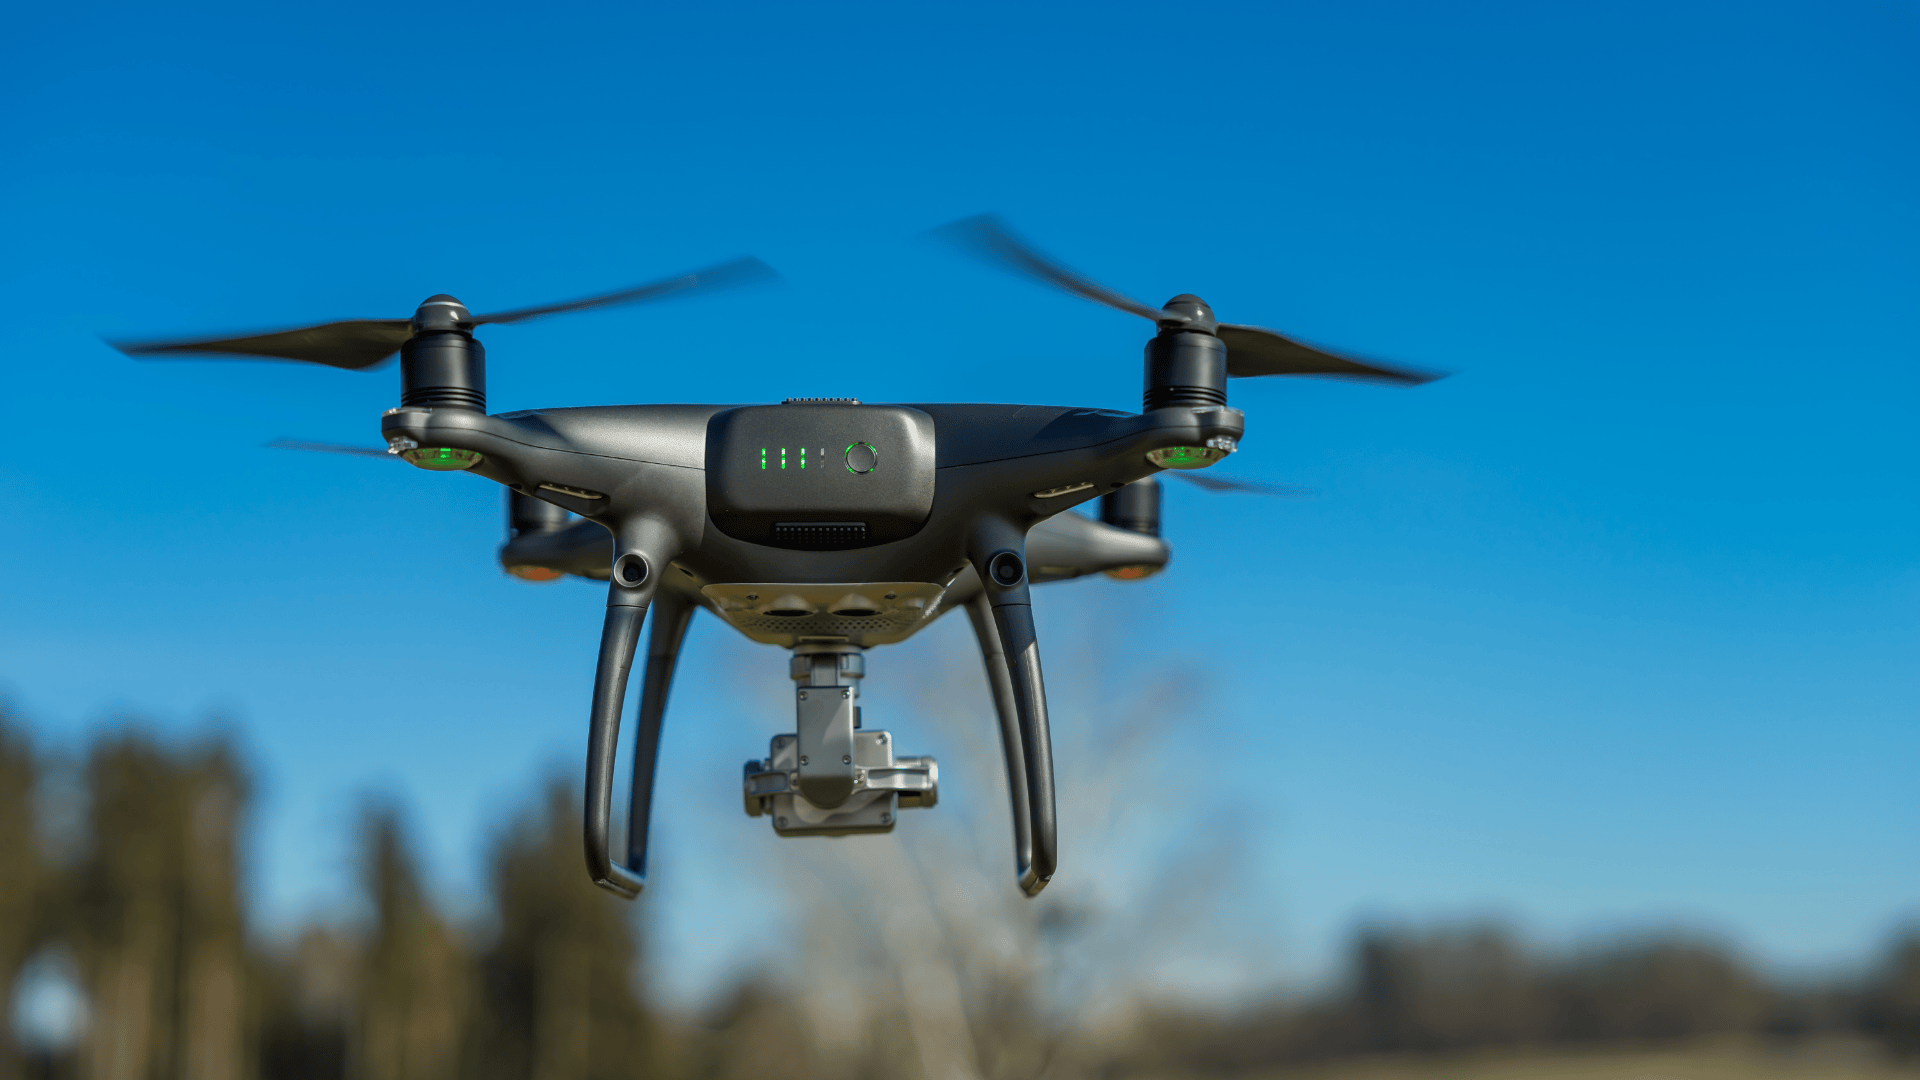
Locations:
(821, 625)
(821, 401)
(819, 535)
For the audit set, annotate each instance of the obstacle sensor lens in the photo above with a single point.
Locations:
(630, 570)
(1007, 569)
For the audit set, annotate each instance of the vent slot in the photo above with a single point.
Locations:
(819, 535)
(822, 625)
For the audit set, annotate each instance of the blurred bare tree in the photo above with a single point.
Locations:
(156, 916)
(1458, 987)
(415, 977)
(22, 881)
(305, 1000)
(557, 990)
(918, 957)
(756, 1032)
(1658, 989)
(1892, 1005)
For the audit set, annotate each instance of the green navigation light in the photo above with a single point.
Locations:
(1185, 457)
(443, 458)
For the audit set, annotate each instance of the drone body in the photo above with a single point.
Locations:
(901, 513)
(823, 526)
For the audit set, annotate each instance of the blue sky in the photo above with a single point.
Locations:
(1617, 626)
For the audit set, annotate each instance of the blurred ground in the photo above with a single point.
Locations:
(1837, 1060)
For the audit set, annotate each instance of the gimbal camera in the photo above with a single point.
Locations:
(825, 526)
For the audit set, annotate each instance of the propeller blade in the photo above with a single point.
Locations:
(986, 237)
(359, 344)
(1250, 349)
(742, 271)
(354, 344)
(1253, 351)
(331, 448)
(1248, 487)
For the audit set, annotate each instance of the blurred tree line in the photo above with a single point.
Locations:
(146, 905)
(141, 901)
(1471, 988)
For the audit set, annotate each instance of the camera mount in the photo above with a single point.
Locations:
(831, 777)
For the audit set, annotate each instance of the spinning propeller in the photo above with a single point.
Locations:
(1220, 484)
(1251, 350)
(363, 344)
(360, 344)
(331, 448)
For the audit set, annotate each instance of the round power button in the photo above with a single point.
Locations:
(862, 458)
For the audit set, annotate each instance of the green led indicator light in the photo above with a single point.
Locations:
(763, 457)
(1186, 457)
(783, 457)
(442, 458)
(803, 457)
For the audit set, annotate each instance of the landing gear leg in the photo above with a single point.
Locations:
(1005, 706)
(998, 553)
(644, 551)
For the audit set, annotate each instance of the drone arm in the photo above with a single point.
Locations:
(997, 549)
(1005, 704)
(644, 549)
(671, 614)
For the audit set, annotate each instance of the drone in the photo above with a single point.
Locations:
(824, 526)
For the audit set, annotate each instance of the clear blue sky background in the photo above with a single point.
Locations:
(1619, 625)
